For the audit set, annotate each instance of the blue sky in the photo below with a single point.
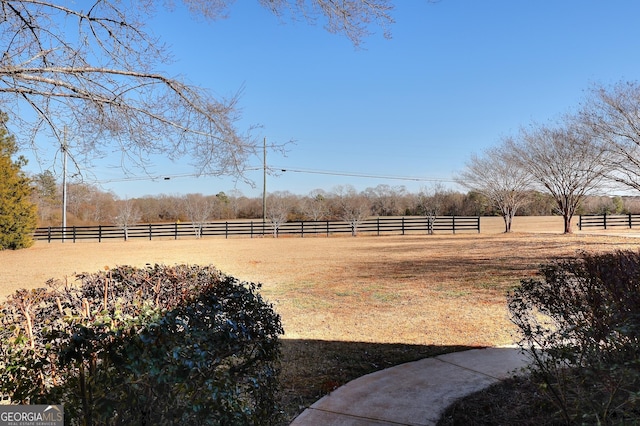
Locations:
(456, 76)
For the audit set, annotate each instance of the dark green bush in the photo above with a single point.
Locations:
(159, 345)
(581, 324)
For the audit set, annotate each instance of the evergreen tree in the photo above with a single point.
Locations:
(17, 212)
(45, 196)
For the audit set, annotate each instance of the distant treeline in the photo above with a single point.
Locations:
(89, 205)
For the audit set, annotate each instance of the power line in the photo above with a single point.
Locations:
(151, 178)
(283, 169)
(356, 174)
(164, 177)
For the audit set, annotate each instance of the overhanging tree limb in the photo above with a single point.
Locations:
(94, 68)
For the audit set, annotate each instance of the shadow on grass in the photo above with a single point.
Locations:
(313, 368)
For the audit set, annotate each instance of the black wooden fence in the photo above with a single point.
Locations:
(258, 228)
(606, 221)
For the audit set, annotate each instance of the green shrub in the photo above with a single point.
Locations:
(159, 345)
(581, 324)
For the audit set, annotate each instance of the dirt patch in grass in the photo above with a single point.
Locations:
(349, 306)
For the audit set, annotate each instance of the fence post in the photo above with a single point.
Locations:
(406, 224)
(580, 223)
(629, 220)
(605, 221)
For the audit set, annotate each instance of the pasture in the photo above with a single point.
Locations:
(350, 306)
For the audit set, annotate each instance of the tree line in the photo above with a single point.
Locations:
(567, 167)
(595, 149)
(87, 204)
(99, 81)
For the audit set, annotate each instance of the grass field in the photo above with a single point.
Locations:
(350, 306)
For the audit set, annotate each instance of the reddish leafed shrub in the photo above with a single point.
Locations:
(581, 323)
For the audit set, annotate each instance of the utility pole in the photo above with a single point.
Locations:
(264, 180)
(64, 183)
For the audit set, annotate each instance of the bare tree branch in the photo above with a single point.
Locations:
(612, 116)
(351, 18)
(93, 68)
(91, 71)
(564, 161)
(496, 176)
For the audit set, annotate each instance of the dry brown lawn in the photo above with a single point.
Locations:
(350, 305)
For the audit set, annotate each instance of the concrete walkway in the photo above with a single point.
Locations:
(413, 394)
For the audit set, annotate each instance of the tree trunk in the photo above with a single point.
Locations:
(508, 219)
(567, 223)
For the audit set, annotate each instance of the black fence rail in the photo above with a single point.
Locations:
(605, 221)
(258, 228)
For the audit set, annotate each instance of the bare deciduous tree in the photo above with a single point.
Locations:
(496, 176)
(199, 210)
(387, 200)
(315, 205)
(235, 195)
(431, 202)
(94, 68)
(351, 18)
(613, 117)
(278, 208)
(128, 214)
(563, 161)
(353, 207)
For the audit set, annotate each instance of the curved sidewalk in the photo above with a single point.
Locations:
(413, 394)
